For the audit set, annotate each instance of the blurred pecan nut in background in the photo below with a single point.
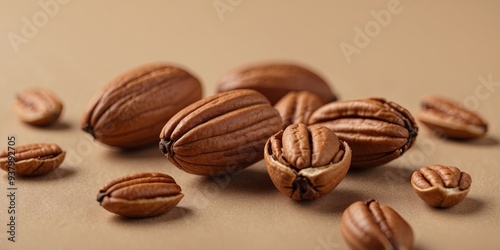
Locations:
(450, 119)
(297, 106)
(275, 80)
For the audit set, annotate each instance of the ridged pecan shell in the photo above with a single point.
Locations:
(220, 134)
(140, 195)
(38, 107)
(377, 130)
(371, 226)
(441, 186)
(130, 110)
(306, 162)
(274, 80)
(33, 159)
(297, 106)
(451, 119)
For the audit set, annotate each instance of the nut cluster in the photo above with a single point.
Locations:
(308, 139)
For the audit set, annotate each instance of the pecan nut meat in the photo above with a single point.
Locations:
(441, 186)
(306, 162)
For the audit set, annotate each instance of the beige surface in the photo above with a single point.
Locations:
(426, 47)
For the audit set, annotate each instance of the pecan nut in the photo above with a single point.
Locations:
(38, 107)
(306, 162)
(140, 195)
(441, 186)
(297, 106)
(220, 134)
(130, 110)
(450, 119)
(369, 225)
(274, 80)
(33, 159)
(377, 130)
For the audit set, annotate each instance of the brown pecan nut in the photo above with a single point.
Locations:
(441, 186)
(38, 107)
(32, 159)
(377, 130)
(274, 80)
(220, 134)
(306, 162)
(297, 107)
(371, 226)
(451, 119)
(140, 195)
(130, 110)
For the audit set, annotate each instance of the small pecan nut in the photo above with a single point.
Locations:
(274, 80)
(369, 225)
(140, 195)
(38, 107)
(451, 119)
(377, 130)
(130, 110)
(297, 106)
(33, 159)
(220, 134)
(306, 162)
(441, 186)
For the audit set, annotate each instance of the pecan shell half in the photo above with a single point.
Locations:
(306, 162)
(441, 186)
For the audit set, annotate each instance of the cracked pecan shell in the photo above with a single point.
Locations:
(220, 134)
(441, 186)
(130, 110)
(306, 162)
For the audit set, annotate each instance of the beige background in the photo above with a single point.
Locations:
(440, 47)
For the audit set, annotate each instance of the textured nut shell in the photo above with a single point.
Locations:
(140, 195)
(274, 80)
(377, 130)
(34, 159)
(130, 110)
(220, 134)
(38, 107)
(441, 186)
(375, 226)
(451, 119)
(297, 106)
(321, 180)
